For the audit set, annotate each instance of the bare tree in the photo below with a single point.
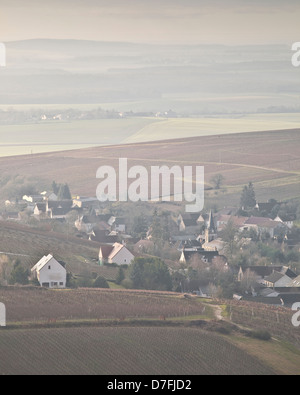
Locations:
(217, 180)
(249, 280)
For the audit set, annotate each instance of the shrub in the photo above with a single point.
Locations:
(101, 282)
(120, 276)
(260, 334)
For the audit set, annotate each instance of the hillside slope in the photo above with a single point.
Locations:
(269, 159)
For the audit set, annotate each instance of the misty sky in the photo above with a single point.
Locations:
(153, 21)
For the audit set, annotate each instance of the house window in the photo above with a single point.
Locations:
(61, 284)
(49, 267)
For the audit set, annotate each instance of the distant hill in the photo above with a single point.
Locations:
(74, 71)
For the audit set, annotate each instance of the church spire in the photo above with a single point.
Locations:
(210, 230)
(211, 225)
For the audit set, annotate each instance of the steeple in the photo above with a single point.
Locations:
(210, 230)
(211, 225)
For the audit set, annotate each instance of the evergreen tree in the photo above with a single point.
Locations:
(140, 226)
(55, 188)
(64, 192)
(248, 199)
(157, 231)
(19, 275)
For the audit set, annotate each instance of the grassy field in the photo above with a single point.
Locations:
(277, 354)
(197, 127)
(57, 136)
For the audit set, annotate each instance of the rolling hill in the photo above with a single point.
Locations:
(271, 160)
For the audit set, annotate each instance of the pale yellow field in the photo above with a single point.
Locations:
(51, 137)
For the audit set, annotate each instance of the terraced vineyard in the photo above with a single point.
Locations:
(117, 351)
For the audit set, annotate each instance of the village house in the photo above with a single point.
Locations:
(39, 209)
(190, 223)
(223, 220)
(53, 209)
(287, 222)
(277, 280)
(214, 245)
(49, 196)
(85, 202)
(55, 204)
(102, 236)
(263, 272)
(201, 254)
(295, 283)
(58, 209)
(119, 225)
(116, 253)
(49, 273)
(264, 225)
(266, 207)
(87, 223)
(58, 213)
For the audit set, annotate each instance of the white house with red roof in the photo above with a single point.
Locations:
(117, 253)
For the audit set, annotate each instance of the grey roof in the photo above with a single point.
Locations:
(264, 271)
(268, 292)
(274, 277)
